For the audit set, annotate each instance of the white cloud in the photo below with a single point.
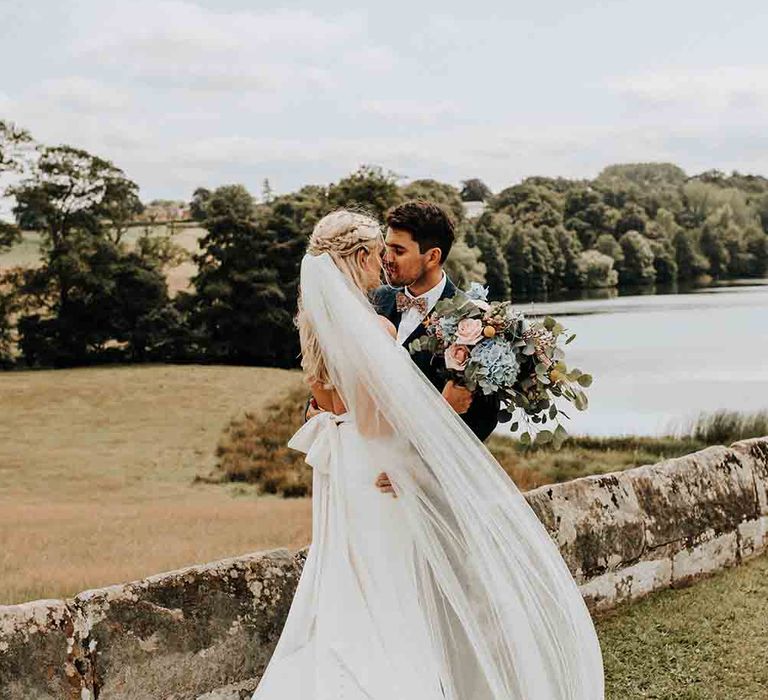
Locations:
(417, 111)
(79, 94)
(500, 155)
(175, 43)
(725, 87)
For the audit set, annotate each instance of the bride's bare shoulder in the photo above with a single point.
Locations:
(388, 326)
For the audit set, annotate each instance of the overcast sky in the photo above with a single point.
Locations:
(182, 93)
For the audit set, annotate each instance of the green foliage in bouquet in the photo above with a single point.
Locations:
(543, 378)
(495, 349)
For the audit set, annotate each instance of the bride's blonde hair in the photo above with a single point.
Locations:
(343, 235)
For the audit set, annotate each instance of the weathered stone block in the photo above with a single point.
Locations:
(686, 499)
(192, 630)
(705, 557)
(756, 452)
(596, 522)
(234, 691)
(753, 537)
(34, 639)
(632, 582)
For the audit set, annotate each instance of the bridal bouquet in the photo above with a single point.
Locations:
(491, 347)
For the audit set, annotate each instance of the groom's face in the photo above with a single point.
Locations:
(404, 263)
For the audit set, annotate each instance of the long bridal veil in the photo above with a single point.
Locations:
(505, 615)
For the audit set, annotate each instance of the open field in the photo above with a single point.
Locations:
(706, 642)
(26, 253)
(97, 468)
(99, 471)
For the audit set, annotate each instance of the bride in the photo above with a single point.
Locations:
(452, 590)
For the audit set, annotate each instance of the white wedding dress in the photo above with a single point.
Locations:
(451, 591)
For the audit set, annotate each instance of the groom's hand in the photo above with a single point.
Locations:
(459, 397)
(312, 409)
(384, 484)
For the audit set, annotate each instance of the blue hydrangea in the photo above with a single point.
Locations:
(449, 327)
(495, 365)
(477, 291)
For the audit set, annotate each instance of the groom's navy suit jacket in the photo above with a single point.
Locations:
(482, 416)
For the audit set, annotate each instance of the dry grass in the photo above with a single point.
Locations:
(97, 475)
(105, 473)
(253, 450)
(582, 456)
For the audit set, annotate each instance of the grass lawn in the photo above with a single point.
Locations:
(706, 642)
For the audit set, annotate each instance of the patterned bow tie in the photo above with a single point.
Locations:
(404, 302)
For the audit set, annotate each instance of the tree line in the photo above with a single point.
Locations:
(96, 298)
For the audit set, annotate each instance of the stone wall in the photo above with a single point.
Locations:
(206, 632)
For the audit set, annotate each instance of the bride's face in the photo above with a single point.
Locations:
(370, 265)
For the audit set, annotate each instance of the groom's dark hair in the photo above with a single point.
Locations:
(428, 223)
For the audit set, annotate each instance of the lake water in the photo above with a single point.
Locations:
(661, 360)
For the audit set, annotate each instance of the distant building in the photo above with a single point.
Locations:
(472, 210)
(162, 210)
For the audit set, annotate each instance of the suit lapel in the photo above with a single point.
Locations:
(449, 291)
(384, 301)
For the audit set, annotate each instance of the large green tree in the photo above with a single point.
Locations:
(497, 270)
(369, 188)
(637, 266)
(464, 264)
(691, 262)
(90, 295)
(247, 278)
(531, 262)
(15, 147)
(595, 269)
(475, 190)
(117, 308)
(438, 192)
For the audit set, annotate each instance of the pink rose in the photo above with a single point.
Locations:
(469, 332)
(456, 357)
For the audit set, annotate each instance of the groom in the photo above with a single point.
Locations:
(419, 238)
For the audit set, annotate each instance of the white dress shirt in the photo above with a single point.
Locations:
(410, 320)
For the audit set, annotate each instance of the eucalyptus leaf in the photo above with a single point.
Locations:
(585, 379)
(570, 339)
(559, 437)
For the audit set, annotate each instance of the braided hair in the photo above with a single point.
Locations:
(342, 234)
